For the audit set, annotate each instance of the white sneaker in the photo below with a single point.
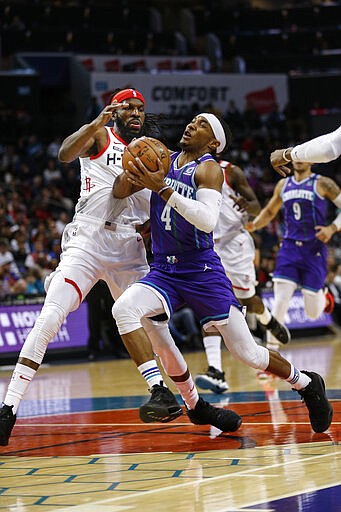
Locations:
(213, 379)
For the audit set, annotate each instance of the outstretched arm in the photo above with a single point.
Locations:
(269, 212)
(318, 150)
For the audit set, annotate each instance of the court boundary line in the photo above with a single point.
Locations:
(112, 501)
(187, 424)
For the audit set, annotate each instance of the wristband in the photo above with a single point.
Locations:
(284, 157)
(163, 189)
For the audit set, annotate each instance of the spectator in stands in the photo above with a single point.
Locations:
(7, 258)
(34, 282)
(251, 118)
(234, 117)
(53, 147)
(52, 173)
(21, 250)
(8, 277)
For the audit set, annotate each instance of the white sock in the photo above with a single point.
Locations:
(297, 379)
(188, 392)
(20, 381)
(265, 317)
(212, 346)
(151, 373)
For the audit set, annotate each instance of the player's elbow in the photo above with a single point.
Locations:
(208, 227)
(207, 221)
(63, 156)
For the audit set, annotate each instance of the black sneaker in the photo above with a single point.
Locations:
(162, 406)
(7, 420)
(314, 396)
(205, 414)
(279, 331)
(213, 379)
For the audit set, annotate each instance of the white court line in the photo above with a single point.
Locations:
(72, 413)
(80, 508)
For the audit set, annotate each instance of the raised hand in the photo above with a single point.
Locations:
(279, 160)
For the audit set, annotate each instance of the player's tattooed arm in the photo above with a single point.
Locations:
(328, 188)
(246, 200)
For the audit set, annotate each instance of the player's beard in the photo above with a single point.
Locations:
(126, 133)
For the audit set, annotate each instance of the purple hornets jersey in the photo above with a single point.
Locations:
(302, 258)
(186, 269)
(171, 233)
(304, 208)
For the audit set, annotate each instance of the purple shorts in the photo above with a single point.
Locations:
(197, 279)
(305, 263)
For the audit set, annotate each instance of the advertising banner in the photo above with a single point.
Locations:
(17, 321)
(150, 63)
(296, 317)
(174, 94)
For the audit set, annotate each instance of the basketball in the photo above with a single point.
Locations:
(148, 150)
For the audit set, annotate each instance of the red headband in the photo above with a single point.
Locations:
(127, 94)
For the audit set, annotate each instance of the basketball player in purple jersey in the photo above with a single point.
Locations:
(185, 207)
(302, 258)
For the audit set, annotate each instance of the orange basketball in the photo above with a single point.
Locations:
(148, 150)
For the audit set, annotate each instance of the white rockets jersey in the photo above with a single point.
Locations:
(98, 174)
(231, 220)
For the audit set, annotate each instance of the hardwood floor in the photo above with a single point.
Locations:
(79, 445)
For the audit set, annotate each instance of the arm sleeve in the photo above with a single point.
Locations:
(319, 150)
(202, 212)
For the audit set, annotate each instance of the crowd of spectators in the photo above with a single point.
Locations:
(290, 37)
(37, 197)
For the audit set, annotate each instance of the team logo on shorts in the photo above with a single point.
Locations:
(172, 259)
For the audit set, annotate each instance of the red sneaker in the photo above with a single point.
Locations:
(330, 302)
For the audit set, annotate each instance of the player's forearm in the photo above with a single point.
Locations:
(336, 224)
(319, 150)
(253, 208)
(73, 146)
(203, 212)
(263, 219)
(123, 188)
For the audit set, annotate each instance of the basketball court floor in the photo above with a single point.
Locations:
(78, 444)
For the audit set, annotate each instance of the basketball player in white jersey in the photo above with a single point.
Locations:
(101, 242)
(236, 249)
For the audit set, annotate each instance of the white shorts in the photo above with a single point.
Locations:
(91, 252)
(238, 256)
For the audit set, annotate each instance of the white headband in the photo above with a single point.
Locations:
(217, 129)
